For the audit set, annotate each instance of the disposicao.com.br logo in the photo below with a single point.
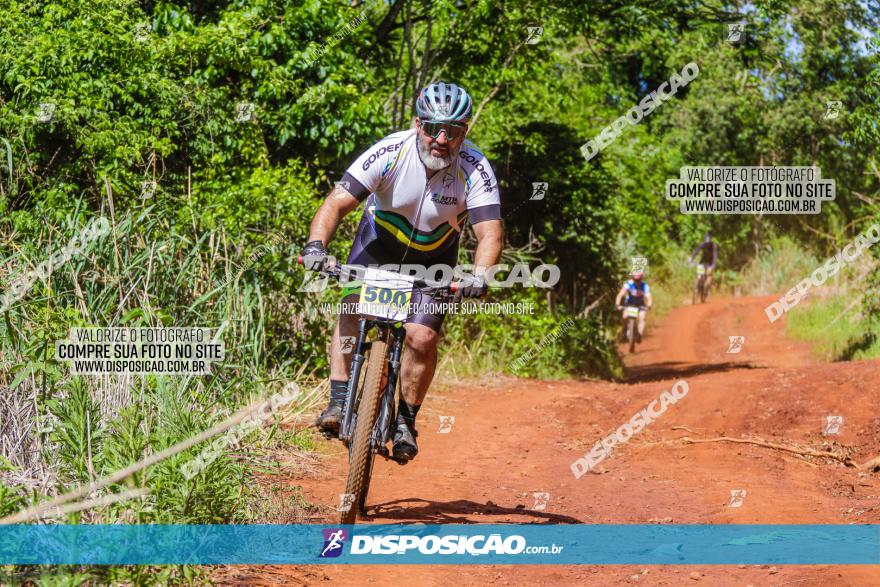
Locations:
(493, 544)
(334, 539)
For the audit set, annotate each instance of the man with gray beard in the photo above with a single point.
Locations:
(420, 185)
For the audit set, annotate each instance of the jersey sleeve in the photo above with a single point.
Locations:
(364, 176)
(483, 199)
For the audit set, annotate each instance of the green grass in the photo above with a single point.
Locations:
(834, 328)
(776, 269)
(834, 324)
(671, 281)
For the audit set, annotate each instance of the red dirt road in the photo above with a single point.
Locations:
(513, 437)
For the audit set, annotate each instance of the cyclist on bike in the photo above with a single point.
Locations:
(708, 250)
(420, 186)
(635, 292)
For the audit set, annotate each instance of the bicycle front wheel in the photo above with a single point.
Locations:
(360, 453)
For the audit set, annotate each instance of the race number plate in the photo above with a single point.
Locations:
(701, 269)
(631, 312)
(385, 294)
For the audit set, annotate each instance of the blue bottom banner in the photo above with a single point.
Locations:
(575, 544)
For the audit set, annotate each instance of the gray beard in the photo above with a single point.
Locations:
(431, 162)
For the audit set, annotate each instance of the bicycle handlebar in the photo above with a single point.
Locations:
(336, 273)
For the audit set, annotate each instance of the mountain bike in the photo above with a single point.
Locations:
(369, 413)
(700, 289)
(631, 326)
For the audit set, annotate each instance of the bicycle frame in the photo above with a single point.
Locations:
(364, 442)
(700, 285)
(382, 429)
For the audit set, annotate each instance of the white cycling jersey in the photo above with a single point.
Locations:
(413, 215)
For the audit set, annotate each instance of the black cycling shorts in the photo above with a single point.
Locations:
(366, 252)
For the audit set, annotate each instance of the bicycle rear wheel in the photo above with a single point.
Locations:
(360, 453)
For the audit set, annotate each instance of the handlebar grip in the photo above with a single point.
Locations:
(299, 260)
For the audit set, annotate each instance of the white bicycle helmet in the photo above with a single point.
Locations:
(442, 102)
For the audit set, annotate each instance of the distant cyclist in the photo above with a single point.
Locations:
(708, 250)
(419, 186)
(635, 292)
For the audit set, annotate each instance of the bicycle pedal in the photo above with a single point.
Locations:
(390, 457)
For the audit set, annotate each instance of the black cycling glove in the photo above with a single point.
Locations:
(472, 287)
(315, 256)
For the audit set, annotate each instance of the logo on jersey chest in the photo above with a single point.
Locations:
(444, 199)
(379, 153)
(487, 183)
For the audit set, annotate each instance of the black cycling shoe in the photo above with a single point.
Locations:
(405, 447)
(330, 418)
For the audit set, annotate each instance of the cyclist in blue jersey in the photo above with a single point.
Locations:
(420, 187)
(635, 292)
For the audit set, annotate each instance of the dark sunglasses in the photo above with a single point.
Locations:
(432, 129)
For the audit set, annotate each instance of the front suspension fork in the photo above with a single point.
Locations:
(346, 429)
(382, 431)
